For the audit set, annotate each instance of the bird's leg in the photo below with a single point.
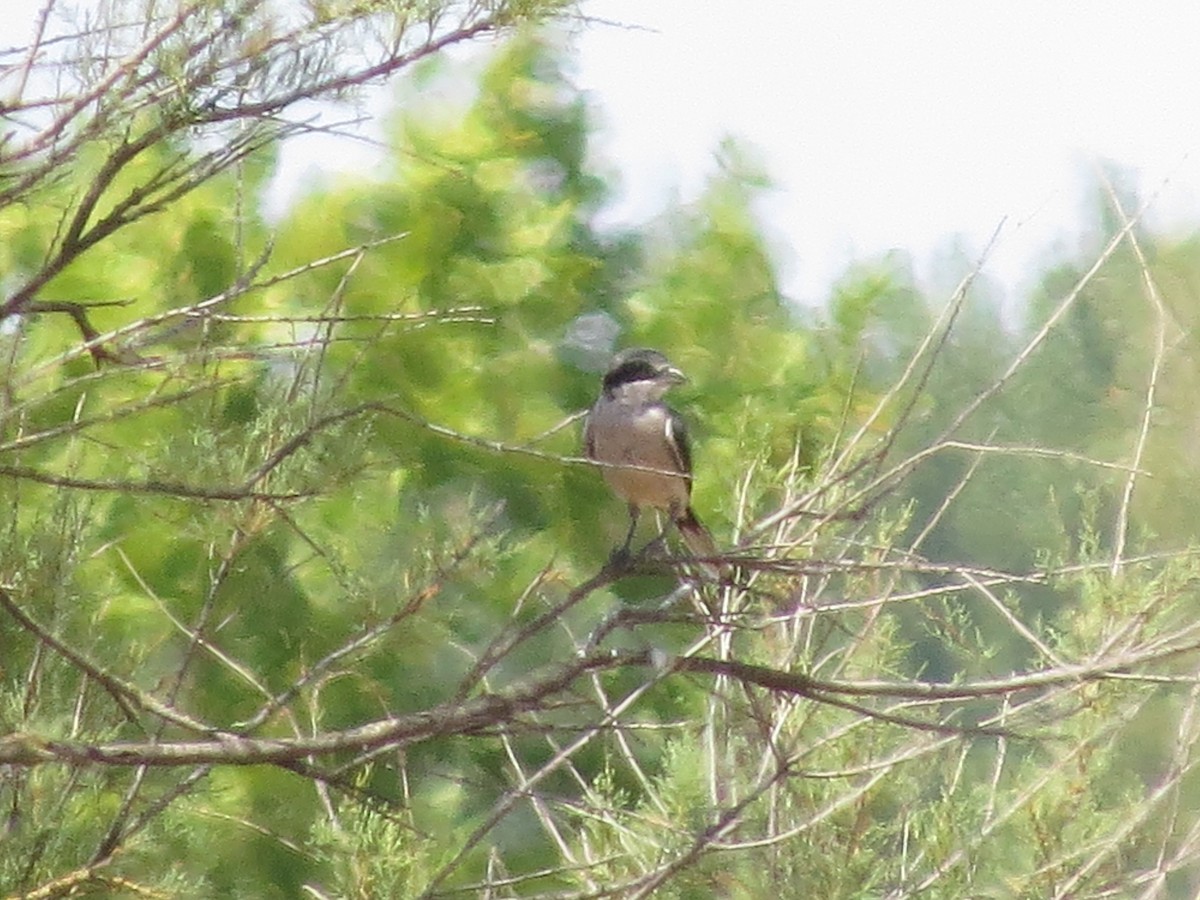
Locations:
(620, 556)
(658, 546)
(634, 513)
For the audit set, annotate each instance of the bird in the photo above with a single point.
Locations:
(630, 425)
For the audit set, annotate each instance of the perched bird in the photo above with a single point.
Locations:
(630, 425)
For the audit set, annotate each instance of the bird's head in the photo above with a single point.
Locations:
(645, 372)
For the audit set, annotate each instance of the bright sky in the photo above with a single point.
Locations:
(899, 125)
(886, 125)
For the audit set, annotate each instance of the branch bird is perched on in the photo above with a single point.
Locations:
(630, 425)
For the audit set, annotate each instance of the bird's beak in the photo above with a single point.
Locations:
(673, 375)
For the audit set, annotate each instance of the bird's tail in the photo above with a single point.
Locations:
(698, 538)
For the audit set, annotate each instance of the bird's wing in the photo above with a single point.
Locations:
(681, 448)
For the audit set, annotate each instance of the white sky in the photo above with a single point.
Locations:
(886, 125)
(901, 124)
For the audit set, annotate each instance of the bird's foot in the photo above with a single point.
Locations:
(620, 559)
(656, 549)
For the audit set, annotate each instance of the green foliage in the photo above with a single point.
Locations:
(373, 855)
(949, 818)
(291, 494)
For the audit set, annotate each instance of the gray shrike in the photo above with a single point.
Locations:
(630, 425)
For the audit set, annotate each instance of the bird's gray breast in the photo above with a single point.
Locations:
(638, 435)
